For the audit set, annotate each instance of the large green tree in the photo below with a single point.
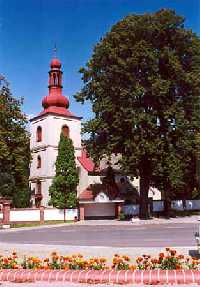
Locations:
(63, 190)
(14, 149)
(143, 81)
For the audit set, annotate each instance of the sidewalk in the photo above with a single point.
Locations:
(87, 251)
(111, 222)
(137, 221)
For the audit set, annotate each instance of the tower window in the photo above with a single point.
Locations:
(39, 134)
(39, 162)
(65, 131)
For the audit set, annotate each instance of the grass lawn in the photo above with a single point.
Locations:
(17, 225)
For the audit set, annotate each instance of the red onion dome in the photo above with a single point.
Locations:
(56, 101)
(55, 63)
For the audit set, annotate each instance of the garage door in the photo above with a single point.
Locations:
(100, 210)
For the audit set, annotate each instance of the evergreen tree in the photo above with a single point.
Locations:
(14, 149)
(143, 81)
(63, 189)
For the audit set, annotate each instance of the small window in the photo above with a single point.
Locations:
(39, 134)
(65, 131)
(39, 162)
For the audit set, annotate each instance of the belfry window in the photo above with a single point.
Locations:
(39, 161)
(65, 131)
(39, 134)
(55, 79)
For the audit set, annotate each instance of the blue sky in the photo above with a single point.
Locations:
(29, 29)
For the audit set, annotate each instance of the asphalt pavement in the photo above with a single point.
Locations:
(151, 235)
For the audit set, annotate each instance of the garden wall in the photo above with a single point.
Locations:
(158, 206)
(41, 214)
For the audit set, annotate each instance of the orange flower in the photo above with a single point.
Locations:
(161, 255)
(102, 260)
(173, 252)
(54, 253)
(126, 258)
(139, 259)
(5, 260)
(66, 267)
(132, 267)
(178, 267)
(154, 260)
(46, 259)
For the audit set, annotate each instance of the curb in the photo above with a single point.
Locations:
(153, 277)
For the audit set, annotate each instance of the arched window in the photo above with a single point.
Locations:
(65, 131)
(39, 162)
(39, 134)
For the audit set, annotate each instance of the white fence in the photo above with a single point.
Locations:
(28, 214)
(25, 215)
(158, 206)
(58, 214)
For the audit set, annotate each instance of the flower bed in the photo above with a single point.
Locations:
(168, 260)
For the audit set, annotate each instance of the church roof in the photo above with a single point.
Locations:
(87, 194)
(86, 161)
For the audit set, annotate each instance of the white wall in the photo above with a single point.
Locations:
(83, 178)
(51, 129)
(58, 214)
(25, 215)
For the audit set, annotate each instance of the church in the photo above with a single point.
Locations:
(95, 197)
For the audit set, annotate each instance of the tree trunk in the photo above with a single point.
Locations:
(144, 190)
(167, 202)
(64, 214)
(167, 207)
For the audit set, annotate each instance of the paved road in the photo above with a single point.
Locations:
(114, 236)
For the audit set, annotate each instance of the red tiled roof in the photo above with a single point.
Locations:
(87, 194)
(86, 161)
(57, 110)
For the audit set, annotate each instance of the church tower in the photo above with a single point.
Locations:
(45, 129)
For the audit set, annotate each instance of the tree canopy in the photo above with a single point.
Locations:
(63, 188)
(143, 81)
(14, 149)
